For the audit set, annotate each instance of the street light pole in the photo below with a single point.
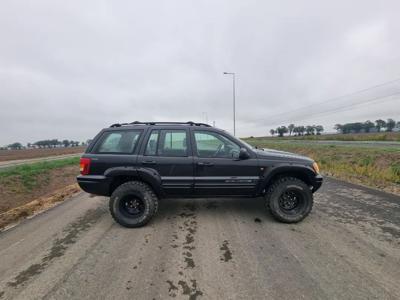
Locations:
(234, 101)
(205, 116)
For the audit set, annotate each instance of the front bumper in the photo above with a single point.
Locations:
(317, 182)
(94, 184)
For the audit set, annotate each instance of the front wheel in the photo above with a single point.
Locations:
(133, 204)
(290, 200)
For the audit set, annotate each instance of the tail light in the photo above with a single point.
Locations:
(84, 165)
(316, 167)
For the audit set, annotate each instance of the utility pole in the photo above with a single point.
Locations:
(234, 100)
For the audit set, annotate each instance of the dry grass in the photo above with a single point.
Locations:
(377, 167)
(43, 203)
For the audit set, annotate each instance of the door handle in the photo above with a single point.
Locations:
(149, 162)
(205, 164)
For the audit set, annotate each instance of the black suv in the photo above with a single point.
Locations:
(140, 162)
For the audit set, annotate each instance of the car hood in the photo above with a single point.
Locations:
(281, 155)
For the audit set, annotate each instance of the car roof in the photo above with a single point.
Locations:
(162, 125)
(188, 123)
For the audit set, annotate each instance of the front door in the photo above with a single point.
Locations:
(218, 169)
(168, 152)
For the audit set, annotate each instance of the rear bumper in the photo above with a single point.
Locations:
(318, 179)
(94, 184)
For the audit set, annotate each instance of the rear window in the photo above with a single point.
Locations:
(119, 141)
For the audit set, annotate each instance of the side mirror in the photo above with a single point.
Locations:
(243, 154)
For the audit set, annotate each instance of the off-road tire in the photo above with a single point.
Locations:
(137, 189)
(278, 188)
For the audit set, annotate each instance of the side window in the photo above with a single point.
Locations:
(151, 147)
(119, 141)
(211, 144)
(172, 143)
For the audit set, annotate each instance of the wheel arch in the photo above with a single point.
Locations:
(300, 172)
(121, 175)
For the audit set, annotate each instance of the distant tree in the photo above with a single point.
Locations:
(282, 130)
(54, 143)
(357, 127)
(291, 128)
(368, 125)
(319, 129)
(301, 129)
(42, 144)
(390, 124)
(346, 128)
(66, 143)
(272, 132)
(309, 130)
(315, 129)
(338, 128)
(380, 124)
(15, 146)
(29, 145)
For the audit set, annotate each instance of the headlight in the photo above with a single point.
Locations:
(315, 167)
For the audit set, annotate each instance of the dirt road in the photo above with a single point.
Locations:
(27, 154)
(348, 248)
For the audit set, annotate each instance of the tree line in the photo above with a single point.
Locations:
(356, 127)
(368, 126)
(297, 130)
(52, 143)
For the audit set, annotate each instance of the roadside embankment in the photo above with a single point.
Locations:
(28, 189)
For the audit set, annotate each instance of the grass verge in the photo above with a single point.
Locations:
(371, 166)
(27, 189)
(31, 175)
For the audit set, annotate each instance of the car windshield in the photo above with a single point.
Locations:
(239, 140)
(247, 144)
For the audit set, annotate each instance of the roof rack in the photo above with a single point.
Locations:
(190, 123)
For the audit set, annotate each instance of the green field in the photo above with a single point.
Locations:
(31, 175)
(373, 166)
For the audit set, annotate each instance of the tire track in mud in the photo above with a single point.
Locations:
(185, 284)
(227, 253)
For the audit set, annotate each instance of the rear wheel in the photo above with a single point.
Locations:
(290, 200)
(133, 204)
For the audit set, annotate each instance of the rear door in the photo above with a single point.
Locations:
(168, 152)
(218, 170)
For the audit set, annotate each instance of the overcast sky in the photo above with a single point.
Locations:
(70, 68)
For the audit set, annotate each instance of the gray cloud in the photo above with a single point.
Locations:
(69, 69)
